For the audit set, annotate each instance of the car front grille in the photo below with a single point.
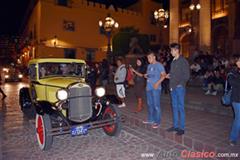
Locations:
(80, 103)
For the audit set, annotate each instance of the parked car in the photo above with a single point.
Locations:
(12, 74)
(64, 103)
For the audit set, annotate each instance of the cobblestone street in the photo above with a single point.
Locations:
(18, 140)
(205, 131)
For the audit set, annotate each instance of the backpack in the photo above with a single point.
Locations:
(129, 77)
(226, 98)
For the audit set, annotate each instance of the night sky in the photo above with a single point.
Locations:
(12, 13)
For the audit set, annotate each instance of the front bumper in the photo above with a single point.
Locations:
(92, 125)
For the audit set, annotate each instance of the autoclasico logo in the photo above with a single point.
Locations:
(188, 154)
(184, 154)
(192, 154)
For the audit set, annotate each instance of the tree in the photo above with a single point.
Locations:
(128, 40)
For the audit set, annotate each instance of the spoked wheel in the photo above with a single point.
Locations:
(43, 125)
(113, 129)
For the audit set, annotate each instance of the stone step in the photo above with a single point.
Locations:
(188, 142)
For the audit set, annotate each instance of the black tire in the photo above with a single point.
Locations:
(112, 111)
(43, 125)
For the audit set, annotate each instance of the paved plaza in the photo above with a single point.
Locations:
(205, 131)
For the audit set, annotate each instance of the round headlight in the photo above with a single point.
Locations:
(20, 76)
(62, 94)
(100, 92)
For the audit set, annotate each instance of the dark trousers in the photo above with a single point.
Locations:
(2, 92)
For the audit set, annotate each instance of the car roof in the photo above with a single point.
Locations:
(57, 60)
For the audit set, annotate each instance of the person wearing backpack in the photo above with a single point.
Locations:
(119, 80)
(234, 81)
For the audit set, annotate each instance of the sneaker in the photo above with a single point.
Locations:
(233, 143)
(122, 105)
(214, 93)
(155, 125)
(180, 132)
(172, 129)
(147, 122)
(208, 92)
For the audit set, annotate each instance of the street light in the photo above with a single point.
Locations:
(193, 6)
(194, 23)
(108, 26)
(161, 16)
(55, 41)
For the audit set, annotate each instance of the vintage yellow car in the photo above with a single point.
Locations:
(63, 101)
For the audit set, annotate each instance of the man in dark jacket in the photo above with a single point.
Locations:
(179, 75)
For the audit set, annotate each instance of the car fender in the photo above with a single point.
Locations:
(24, 98)
(44, 107)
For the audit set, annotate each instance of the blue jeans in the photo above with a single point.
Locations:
(236, 123)
(178, 96)
(153, 102)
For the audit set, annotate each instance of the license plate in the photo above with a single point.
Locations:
(79, 130)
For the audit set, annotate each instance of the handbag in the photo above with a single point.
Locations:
(226, 98)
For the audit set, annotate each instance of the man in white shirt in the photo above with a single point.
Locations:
(119, 80)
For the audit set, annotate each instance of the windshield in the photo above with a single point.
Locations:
(61, 69)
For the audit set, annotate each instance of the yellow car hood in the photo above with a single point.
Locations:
(62, 82)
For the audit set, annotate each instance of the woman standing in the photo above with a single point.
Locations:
(234, 80)
(139, 82)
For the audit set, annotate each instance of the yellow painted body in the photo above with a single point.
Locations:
(46, 88)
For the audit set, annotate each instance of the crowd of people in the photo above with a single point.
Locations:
(212, 70)
(168, 71)
(150, 73)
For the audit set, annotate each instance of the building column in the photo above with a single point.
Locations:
(205, 25)
(231, 25)
(174, 21)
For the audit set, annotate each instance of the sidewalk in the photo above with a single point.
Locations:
(196, 99)
(205, 131)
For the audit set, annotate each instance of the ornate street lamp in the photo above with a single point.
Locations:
(108, 26)
(161, 16)
(194, 22)
(193, 6)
